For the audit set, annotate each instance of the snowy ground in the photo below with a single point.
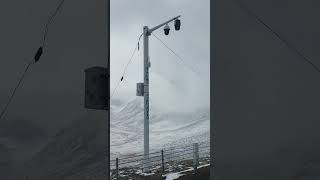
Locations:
(175, 175)
(166, 128)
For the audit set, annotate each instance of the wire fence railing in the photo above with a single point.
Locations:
(172, 159)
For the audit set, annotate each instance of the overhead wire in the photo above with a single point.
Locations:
(137, 47)
(176, 54)
(114, 90)
(50, 20)
(250, 12)
(14, 91)
(125, 69)
(36, 57)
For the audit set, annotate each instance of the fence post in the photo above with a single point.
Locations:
(162, 158)
(195, 157)
(117, 168)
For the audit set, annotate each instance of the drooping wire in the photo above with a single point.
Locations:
(177, 55)
(114, 90)
(36, 57)
(50, 20)
(131, 58)
(121, 79)
(14, 91)
(125, 69)
(277, 35)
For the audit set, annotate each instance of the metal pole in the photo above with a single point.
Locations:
(146, 66)
(195, 157)
(162, 161)
(117, 168)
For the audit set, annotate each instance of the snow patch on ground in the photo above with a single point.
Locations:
(176, 175)
(173, 176)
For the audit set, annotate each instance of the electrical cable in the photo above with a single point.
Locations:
(179, 57)
(36, 57)
(114, 90)
(125, 69)
(50, 20)
(14, 91)
(278, 35)
(137, 48)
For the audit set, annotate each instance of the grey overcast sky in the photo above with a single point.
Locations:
(173, 86)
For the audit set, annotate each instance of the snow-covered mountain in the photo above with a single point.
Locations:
(77, 152)
(79, 149)
(166, 128)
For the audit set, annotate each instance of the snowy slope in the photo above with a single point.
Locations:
(166, 128)
(77, 151)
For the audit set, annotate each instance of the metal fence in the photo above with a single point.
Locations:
(173, 159)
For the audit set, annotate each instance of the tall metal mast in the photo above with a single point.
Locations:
(143, 89)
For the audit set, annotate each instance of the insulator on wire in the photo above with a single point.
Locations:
(121, 78)
(38, 54)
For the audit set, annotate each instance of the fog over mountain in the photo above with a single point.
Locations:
(173, 84)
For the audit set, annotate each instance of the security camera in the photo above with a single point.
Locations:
(177, 24)
(166, 29)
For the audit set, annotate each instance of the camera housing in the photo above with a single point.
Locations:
(177, 24)
(166, 29)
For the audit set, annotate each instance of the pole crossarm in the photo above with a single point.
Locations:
(160, 25)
